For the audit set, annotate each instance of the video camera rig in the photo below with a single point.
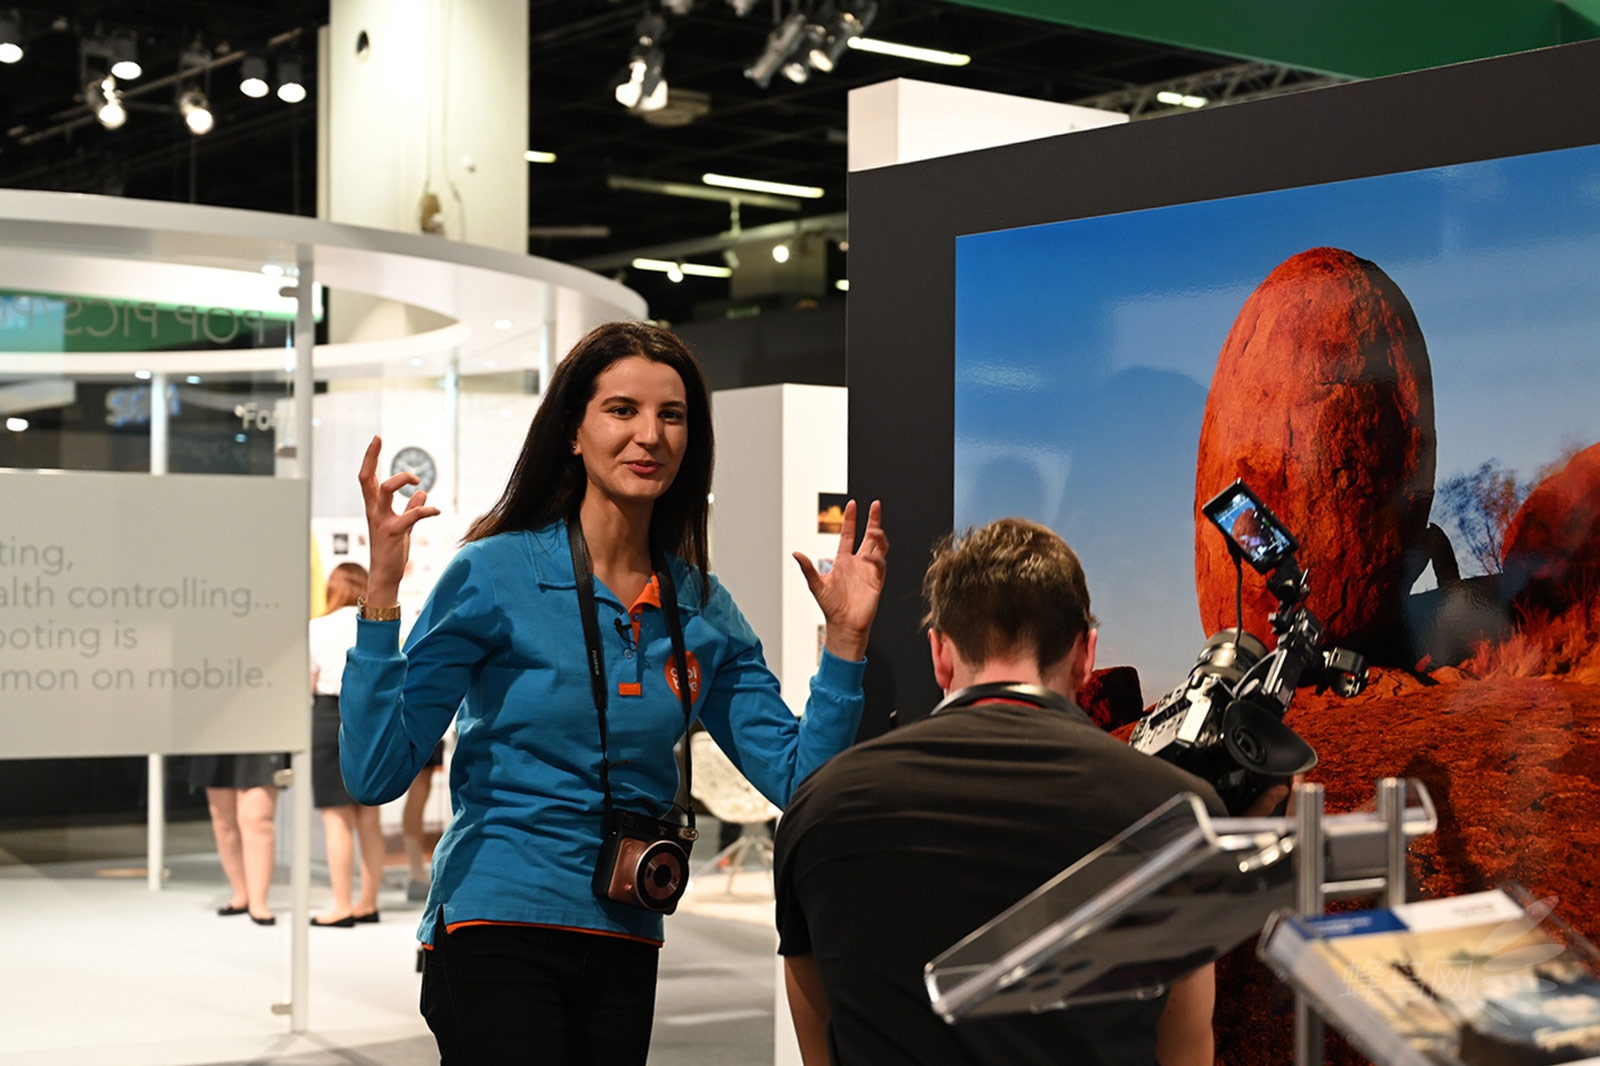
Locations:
(1224, 723)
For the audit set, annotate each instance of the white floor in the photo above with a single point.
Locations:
(97, 969)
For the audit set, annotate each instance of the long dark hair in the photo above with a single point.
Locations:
(548, 482)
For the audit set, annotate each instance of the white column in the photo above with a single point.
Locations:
(305, 338)
(156, 774)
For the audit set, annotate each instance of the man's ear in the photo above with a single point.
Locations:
(944, 663)
(1083, 665)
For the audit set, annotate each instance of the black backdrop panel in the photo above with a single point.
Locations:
(904, 221)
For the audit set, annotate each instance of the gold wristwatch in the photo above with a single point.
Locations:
(377, 614)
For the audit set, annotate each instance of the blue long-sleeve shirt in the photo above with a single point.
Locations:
(499, 647)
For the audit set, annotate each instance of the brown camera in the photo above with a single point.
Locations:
(644, 861)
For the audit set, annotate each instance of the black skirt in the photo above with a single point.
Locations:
(254, 770)
(327, 780)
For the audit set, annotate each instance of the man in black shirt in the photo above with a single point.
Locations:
(903, 844)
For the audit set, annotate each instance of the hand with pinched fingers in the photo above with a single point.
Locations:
(388, 532)
(848, 593)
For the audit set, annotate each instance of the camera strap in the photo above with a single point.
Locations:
(1012, 692)
(583, 573)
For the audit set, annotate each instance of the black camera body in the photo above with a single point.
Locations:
(1224, 723)
(644, 861)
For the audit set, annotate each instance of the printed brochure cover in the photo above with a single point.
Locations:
(1486, 979)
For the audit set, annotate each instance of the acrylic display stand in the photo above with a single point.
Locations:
(1171, 893)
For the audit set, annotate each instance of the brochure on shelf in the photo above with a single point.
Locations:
(1172, 892)
(1485, 979)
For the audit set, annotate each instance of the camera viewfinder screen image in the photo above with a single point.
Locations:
(1252, 527)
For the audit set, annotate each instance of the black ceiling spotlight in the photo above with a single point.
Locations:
(10, 37)
(124, 55)
(116, 55)
(105, 102)
(253, 76)
(797, 68)
(742, 7)
(849, 22)
(781, 45)
(291, 83)
(642, 85)
(101, 93)
(195, 63)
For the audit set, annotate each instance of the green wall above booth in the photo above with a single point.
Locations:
(1354, 38)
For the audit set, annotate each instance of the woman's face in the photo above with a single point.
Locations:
(634, 432)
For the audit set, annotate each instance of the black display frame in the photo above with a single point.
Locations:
(900, 333)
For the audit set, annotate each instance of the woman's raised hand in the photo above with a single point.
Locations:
(388, 533)
(848, 593)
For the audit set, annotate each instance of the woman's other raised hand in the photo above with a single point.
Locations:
(388, 532)
(848, 593)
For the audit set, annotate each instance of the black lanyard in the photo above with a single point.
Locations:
(583, 572)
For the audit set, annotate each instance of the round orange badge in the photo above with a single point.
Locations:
(694, 676)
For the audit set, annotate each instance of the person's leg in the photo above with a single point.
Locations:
(507, 994)
(338, 823)
(411, 827)
(223, 803)
(369, 832)
(618, 1004)
(257, 806)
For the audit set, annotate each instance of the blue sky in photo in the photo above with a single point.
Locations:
(1084, 350)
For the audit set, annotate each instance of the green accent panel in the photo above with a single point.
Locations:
(1580, 20)
(1354, 38)
(55, 322)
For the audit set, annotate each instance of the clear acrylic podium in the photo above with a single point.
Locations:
(1174, 891)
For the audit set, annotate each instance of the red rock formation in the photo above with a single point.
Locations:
(1513, 766)
(1322, 402)
(1552, 546)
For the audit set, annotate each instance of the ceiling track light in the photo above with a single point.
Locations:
(253, 76)
(848, 24)
(291, 83)
(124, 55)
(642, 85)
(196, 112)
(10, 38)
(105, 101)
(781, 44)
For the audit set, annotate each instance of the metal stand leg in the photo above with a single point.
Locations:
(1392, 809)
(1309, 899)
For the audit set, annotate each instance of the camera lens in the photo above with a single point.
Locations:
(662, 871)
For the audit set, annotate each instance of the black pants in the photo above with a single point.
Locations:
(495, 994)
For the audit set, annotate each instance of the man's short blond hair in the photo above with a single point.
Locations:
(1009, 584)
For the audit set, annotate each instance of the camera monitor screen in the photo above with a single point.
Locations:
(1254, 530)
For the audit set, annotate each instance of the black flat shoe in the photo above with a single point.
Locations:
(347, 922)
(366, 919)
(270, 920)
(228, 912)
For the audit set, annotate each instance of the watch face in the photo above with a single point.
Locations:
(417, 462)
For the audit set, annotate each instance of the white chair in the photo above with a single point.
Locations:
(723, 791)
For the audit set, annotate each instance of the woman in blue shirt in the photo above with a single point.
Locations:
(559, 721)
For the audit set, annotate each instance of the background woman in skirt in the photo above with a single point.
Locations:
(344, 821)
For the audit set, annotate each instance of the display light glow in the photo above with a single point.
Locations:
(779, 188)
(909, 51)
(668, 267)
